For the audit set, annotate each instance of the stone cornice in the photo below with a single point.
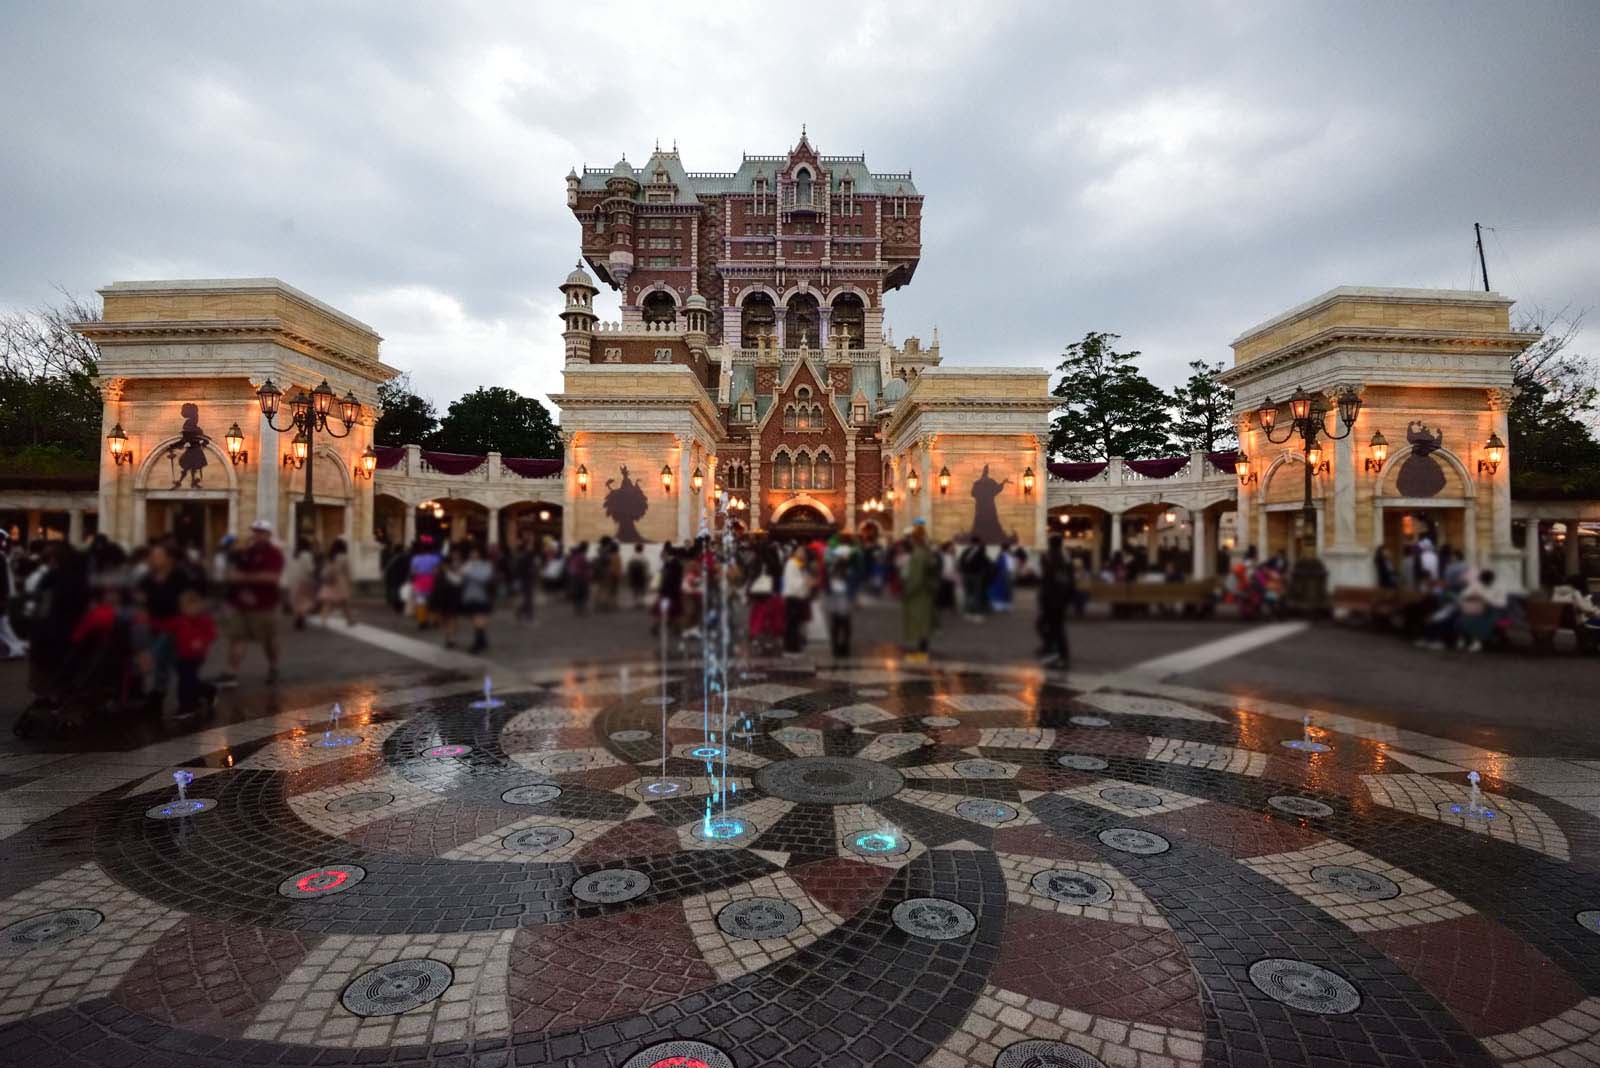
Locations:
(1381, 339)
(272, 329)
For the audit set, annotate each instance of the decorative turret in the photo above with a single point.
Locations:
(578, 314)
(696, 319)
(572, 188)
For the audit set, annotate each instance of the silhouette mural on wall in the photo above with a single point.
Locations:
(1421, 475)
(985, 516)
(187, 455)
(625, 505)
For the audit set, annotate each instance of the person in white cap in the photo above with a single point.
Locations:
(253, 595)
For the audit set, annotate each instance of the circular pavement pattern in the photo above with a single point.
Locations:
(397, 987)
(1035, 1053)
(1071, 887)
(1358, 883)
(934, 917)
(759, 917)
(177, 810)
(856, 821)
(679, 1055)
(365, 801)
(1131, 797)
(536, 840)
(535, 793)
(1133, 840)
(1304, 807)
(47, 929)
(321, 882)
(979, 811)
(611, 886)
(1305, 986)
(829, 780)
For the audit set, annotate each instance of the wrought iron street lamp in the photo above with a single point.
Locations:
(913, 483)
(1308, 583)
(1380, 452)
(583, 479)
(234, 439)
(369, 463)
(1027, 482)
(117, 441)
(944, 480)
(666, 478)
(308, 416)
(1494, 451)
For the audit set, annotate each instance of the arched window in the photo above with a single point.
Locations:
(790, 419)
(802, 186)
(802, 471)
(782, 472)
(659, 307)
(736, 476)
(823, 478)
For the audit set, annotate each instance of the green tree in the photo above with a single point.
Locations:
(1203, 408)
(407, 419)
(1107, 407)
(49, 402)
(493, 417)
(1553, 450)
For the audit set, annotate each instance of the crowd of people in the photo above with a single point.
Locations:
(106, 630)
(777, 589)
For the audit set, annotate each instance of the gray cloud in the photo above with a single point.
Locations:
(1172, 173)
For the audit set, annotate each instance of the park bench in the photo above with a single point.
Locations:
(1197, 597)
(1544, 617)
(1372, 603)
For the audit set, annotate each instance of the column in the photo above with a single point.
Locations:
(1343, 500)
(1116, 532)
(267, 470)
(408, 528)
(682, 488)
(569, 488)
(925, 461)
(1200, 538)
(1530, 555)
(1570, 565)
(74, 526)
(848, 520)
(33, 524)
(1041, 492)
(494, 526)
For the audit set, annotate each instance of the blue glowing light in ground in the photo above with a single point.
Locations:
(876, 842)
(706, 752)
(721, 828)
(334, 741)
(662, 788)
(1466, 810)
(183, 808)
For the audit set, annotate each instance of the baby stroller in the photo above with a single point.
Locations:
(96, 676)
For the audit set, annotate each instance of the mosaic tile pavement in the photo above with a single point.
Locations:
(952, 867)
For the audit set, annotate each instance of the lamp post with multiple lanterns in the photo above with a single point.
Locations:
(309, 416)
(1308, 581)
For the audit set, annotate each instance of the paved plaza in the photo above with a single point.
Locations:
(967, 864)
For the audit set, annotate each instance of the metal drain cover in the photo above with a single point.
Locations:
(759, 917)
(401, 986)
(47, 929)
(1071, 887)
(1304, 986)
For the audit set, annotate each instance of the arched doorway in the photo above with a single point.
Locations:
(659, 308)
(850, 319)
(758, 318)
(801, 322)
(801, 522)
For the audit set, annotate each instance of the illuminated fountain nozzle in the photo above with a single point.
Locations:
(183, 779)
(489, 700)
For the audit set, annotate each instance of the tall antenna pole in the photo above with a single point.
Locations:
(1482, 263)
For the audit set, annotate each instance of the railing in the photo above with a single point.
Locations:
(674, 327)
(1197, 467)
(414, 462)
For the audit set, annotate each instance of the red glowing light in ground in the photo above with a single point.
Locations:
(320, 881)
(681, 1062)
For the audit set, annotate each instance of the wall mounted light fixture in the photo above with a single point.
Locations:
(1494, 451)
(234, 439)
(1380, 452)
(117, 440)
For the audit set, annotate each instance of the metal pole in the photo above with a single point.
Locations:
(1483, 264)
(1308, 511)
(307, 522)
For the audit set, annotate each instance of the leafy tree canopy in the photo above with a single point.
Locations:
(1554, 452)
(493, 417)
(1107, 407)
(1203, 410)
(49, 402)
(407, 419)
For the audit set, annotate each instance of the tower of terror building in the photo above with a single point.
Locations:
(752, 355)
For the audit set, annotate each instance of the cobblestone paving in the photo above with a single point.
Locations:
(902, 872)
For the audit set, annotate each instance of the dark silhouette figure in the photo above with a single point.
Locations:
(625, 505)
(190, 448)
(985, 516)
(1421, 475)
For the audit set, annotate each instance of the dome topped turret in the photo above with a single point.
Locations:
(623, 169)
(580, 277)
(894, 390)
(696, 301)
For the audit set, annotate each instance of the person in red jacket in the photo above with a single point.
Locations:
(193, 632)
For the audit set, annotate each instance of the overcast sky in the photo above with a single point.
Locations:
(1173, 173)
